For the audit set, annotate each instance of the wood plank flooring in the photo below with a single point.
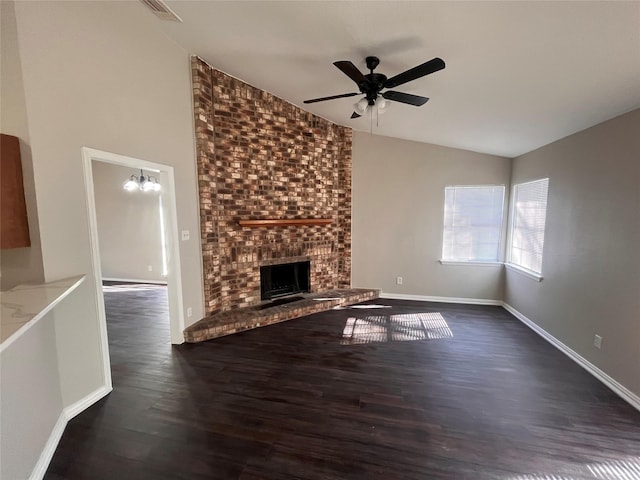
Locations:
(414, 391)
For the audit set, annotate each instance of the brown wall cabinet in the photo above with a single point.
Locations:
(14, 227)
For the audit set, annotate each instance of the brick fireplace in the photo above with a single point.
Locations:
(261, 158)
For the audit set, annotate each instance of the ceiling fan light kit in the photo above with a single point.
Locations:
(372, 84)
(361, 106)
(364, 106)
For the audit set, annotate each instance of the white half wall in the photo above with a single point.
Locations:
(30, 398)
(591, 264)
(129, 227)
(398, 215)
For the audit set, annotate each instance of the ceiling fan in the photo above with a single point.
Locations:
(372, 84)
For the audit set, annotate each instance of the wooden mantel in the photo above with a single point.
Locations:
(285, 222)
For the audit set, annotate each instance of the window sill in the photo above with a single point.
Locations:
(524, 271)
(470, 264)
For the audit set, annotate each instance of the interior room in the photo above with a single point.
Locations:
(130, 230)
(449, 188)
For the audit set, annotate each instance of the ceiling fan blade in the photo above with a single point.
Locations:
(426, 68)
(332, 97)
(350, 70)
(355, 115)
(405, 98)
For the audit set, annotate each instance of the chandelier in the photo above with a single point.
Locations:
(143, 183)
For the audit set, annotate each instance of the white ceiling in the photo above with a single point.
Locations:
(519, 75)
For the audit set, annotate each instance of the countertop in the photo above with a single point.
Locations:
(24, 305)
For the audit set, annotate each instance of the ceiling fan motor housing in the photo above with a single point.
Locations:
(373, 82)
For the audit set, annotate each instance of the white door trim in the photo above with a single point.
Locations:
(174, 277)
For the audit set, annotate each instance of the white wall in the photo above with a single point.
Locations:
(17, 265)
(398, 213)
(116, 83)
(101, 75)
(129, 227)
(591, 263)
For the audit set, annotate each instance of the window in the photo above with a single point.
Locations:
(472, 223)
(529, 212)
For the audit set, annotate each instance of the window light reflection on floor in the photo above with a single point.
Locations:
(395, 328)
(131, 287)
(623, 469)
(626, 469)
(365, 306)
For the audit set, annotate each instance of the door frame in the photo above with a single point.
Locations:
(170, 214)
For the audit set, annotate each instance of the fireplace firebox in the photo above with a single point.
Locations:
(284, 279)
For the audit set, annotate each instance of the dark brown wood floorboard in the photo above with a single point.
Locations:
(484, 398)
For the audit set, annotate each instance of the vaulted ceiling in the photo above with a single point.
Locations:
(518, 75)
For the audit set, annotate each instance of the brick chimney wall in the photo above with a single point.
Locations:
(260, 157)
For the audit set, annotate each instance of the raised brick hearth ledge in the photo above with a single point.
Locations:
(252, 317)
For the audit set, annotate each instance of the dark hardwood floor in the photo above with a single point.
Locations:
(415, 391)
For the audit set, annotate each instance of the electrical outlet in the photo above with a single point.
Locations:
(186, 235)
(398, 280)
(189, 312)
(597, 341)
(150, 268)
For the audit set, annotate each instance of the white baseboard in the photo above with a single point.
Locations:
(134, 280)
(84, 403)
(622, 391)
(424, 298)
(49, 448)
(58, 429)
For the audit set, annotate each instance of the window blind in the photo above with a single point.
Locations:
(472, 223)
(528, 224)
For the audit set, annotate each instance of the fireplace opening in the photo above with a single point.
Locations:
(284, 279)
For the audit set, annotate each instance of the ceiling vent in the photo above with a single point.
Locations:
(162, 10)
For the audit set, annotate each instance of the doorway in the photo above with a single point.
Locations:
(165, 176)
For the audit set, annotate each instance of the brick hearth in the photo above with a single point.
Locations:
(241, 319)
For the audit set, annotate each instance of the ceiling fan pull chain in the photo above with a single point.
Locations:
(370, 121)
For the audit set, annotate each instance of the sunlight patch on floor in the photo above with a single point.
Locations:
(626, 469)
(395, 328)
(623, 469)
